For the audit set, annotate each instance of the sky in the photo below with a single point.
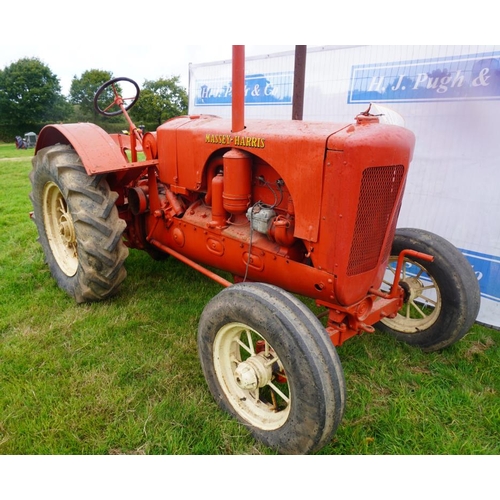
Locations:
(139, 40)
(138, 61)
(153, 39)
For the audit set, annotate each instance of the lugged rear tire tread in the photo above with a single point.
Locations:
(101, 250)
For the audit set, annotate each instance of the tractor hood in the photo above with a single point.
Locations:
(298, 147)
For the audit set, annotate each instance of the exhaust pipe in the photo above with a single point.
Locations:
(238, 89)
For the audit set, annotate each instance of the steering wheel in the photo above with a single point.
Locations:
(118, 100)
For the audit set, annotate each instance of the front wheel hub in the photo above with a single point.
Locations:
(415, 287)
(255, 372)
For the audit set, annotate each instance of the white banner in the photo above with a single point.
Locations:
(449, 96)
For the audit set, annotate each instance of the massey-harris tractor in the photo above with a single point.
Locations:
(289, 209)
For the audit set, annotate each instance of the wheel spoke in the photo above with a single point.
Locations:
(428, 299)
(250, 344)
(271, 361)
(415, 306)
(420, 273)
(248, 347)
(109, 107)
(279, 392)
(62, 205)
(244, 346)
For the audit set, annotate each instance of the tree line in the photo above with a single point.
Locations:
(31, 97)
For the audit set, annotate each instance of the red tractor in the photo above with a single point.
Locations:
(288, 208)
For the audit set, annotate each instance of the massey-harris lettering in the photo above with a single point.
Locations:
(236, 140)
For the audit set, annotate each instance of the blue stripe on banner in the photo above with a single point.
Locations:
(464, 77)
(260, 89)
(487, 269)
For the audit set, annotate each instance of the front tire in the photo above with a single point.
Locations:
(269, 362)
(78, 225)
(442, 297)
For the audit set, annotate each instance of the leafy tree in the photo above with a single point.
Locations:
(30, 97)
(82, 92)
(159, 101)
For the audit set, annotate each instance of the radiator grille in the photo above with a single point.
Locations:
(378, 195)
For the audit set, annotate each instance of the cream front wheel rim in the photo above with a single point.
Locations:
(251, 378)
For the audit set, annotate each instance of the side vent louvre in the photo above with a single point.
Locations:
(379, 194)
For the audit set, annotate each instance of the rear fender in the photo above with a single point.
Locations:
(98, 151)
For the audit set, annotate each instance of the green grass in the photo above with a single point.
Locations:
(8, 150)
(123, 376)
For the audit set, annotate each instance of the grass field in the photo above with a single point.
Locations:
(123, 377)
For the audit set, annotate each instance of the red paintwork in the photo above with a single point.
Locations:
(97, 150)
(238, 96)
(334, 190)
(303, 144)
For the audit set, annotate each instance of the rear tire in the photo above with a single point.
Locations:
(290, 391)
(443, 296)
(78, 225)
